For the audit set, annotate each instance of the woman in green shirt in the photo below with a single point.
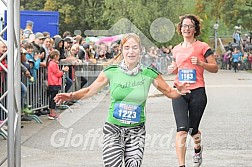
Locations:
(129, 83)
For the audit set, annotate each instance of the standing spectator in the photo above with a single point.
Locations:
(28, 31)
(3, 49)
(66, 34)
(68, 42)
(115, 50)
(249, 60)
(236, 57)
(37, 45)
(1, 23)
(226, 59)
(236, 35)
(35, 57)
(245, 61)
(59, 45)
(54, 80)
(192, 57)
(3, 84)
(72, 60)
(26, 71)
(84, 54)
(47, 47)
(46, 34)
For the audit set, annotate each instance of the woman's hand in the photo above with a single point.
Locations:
(182, 88)
(61, 97)
(171, 68)
(66, 68)
(196, 61)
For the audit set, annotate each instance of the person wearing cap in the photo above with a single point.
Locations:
(115, 50)
(46, 34)
(68, 42)
(112, 51)
(84, 53)
(28, 29)
(37, 45)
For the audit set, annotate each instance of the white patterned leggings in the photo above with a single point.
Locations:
(123, 145)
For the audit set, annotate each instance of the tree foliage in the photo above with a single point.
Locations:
(103, 14)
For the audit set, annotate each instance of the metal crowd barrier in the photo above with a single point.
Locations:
(3, 95)
(88, 70)
(37, 91)
(161, 63)
(3, 103)
(37, 96)
(85, 72)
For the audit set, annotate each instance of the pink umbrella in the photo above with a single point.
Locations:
(107, 39)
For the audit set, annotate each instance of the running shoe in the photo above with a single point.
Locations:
(52, 117)
(197, 158)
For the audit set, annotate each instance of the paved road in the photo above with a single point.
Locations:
(76, 139)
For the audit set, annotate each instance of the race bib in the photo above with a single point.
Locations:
(187, 75)
(127, 113)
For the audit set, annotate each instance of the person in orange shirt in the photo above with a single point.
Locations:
(191, 58)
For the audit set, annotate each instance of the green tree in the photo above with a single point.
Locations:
(32, 5)
(103, 14)
(67, 10)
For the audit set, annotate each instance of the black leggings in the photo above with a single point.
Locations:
(52, 92)
(188, 110)
(235, 66)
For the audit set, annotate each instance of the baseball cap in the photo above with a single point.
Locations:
(86, 46)
(39, 35)
(68, 39)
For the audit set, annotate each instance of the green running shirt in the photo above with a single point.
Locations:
(130, 93)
